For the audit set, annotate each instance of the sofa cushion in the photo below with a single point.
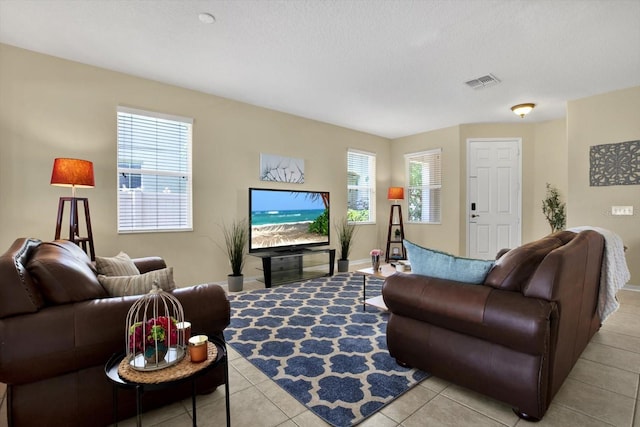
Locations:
(75, 252)
(119, 265)
(64, 273)
(513, 270)
(427, 262)
(504, 318)
(118, 286)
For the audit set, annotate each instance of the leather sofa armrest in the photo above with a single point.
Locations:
(150, 263)
(206, 307)
(37, 346)
(433, 300)
(70, 337)
(503, 317)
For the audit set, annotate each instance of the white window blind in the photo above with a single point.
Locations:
(154, 172)
(424, 175)
(361, 186)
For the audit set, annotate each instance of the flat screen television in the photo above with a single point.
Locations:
(288, 220)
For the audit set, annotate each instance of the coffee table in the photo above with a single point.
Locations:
(385, 271)
(122, 376)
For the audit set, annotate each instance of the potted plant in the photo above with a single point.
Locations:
(554, 209)
(346, 232)
(236, 237)
(397, 234)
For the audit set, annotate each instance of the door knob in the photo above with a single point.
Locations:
(474, 216)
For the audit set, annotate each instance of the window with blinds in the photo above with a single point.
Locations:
(154, 172)
(361, 186)
(424, 175)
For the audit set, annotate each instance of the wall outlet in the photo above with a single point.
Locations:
(621, 210)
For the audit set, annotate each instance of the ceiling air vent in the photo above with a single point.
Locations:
(482, 82)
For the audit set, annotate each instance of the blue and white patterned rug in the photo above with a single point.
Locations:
(314, 340)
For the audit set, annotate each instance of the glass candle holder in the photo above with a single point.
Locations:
(184, 331)
(198, 348)
(375, 263)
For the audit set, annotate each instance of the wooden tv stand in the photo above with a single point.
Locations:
(281, 267)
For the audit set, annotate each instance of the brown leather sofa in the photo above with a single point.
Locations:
(58, 328)
(516, 336)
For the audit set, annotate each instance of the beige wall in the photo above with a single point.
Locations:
(540, 143)
(555, 152)
(604, 119)
(443, 236)
(549, 166)
(55, 108)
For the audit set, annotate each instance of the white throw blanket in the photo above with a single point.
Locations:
(614, 273)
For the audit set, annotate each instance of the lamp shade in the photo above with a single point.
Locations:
(395, 193)
(72, 173)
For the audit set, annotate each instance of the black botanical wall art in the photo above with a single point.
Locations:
(615, 164)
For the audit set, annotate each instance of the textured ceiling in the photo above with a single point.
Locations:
(390, 68)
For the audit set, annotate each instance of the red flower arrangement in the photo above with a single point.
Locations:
(159, 332)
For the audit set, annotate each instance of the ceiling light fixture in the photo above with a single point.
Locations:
(522, 109)
(206, 18)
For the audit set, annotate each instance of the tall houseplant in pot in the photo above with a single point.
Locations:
(236, 236)
(346, 232)
(554, 209)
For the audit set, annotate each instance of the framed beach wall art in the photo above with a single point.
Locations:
(276, 168)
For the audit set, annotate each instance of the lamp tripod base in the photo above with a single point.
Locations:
(86, 243)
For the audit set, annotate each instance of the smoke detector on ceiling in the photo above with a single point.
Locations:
(206, 18)
(482, 82)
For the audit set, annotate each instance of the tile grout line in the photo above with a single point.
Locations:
(617, 348)
(634, 418)
(437, 393)
(578, 411)
(471, 408)
(275, 404)
(598, 362)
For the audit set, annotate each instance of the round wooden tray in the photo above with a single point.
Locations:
(180, 370)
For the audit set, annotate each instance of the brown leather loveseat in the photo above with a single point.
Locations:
(514, 337)
(58, 328)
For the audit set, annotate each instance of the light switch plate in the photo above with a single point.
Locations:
(621, 210)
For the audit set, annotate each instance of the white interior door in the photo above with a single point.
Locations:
(493, 196)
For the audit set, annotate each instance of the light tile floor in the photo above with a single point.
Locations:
(602, 390)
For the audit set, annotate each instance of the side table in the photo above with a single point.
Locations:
(169, 377)
(386, 270)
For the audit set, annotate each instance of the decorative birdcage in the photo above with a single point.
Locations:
(153, 340)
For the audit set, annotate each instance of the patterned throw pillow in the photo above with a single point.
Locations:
(427, 262)
(119, 286)
(119, 265)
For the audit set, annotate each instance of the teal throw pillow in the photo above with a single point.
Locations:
(427, 262)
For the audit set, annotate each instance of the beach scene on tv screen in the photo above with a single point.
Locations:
(286, 218)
